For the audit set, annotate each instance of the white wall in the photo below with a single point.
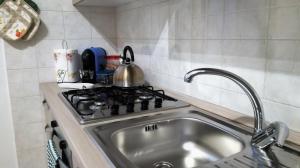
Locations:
(31, 63)
(8, 155)
(258, 40)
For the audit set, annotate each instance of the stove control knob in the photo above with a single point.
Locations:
(158, 102)
(130, 108)
(145, 105)
(53, 124)
(114, 109)
(63, 144)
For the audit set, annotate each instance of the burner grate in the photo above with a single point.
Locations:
(107, 102)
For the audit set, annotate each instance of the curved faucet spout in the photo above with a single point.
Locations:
(250, 92)
(263, 136)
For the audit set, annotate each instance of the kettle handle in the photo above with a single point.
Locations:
(128, 48)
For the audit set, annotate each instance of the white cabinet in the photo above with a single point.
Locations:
(76, 162)
(48, 113)
(106, 3)
(49, 118)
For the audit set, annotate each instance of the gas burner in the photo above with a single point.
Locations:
(94, 107)
(86, 112)
(97, 104)
(146, 97)
(75, 98)
(88, 117)
(143, 97)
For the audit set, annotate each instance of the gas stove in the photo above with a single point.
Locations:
(106, 103)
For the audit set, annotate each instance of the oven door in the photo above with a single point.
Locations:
(61, 146)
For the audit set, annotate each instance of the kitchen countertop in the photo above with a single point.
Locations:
(93, 157)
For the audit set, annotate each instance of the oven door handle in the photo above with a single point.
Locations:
(63, 146)
(62, 161)
(62, 164)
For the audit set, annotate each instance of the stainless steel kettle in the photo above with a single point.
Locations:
(128, 74)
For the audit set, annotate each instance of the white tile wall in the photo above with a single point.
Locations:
(282, 112)
(281, 3)
(283, 88)
(214, 26)
(284, 23)
(281, 55)
(258, 40)
(103, 25)
(215, 7)
(52, 24)
(253, 23)
(24, 112)
(32, 158)
(27, 87)
(80, 45)
(44, 52)
(54, 5)
(77, 26)
(20, 55)
(236, 101)
(159, 24)
(232, 28)
(31, 63)
(29, 136)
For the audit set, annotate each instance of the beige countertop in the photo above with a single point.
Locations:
(93, 157)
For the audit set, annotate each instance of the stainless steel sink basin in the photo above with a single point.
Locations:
(184, 139)
(184, 142)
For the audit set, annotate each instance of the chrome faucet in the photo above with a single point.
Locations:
(263, 135)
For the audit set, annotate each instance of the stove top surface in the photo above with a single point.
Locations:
(105, 103)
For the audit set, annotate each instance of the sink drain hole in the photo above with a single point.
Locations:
(151, 127)
(163, 164)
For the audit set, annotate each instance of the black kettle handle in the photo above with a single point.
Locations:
(128, 48)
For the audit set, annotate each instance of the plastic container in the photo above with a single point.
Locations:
(105, 77)
(112, 62)
(67, 65)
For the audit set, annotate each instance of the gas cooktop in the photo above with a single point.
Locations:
(106, 103)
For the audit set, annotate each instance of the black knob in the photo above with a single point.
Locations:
(115, 109)
(44, 101)
(54, 124)
(145, 105)
(158, 102)
(130, 108)
(63, 144)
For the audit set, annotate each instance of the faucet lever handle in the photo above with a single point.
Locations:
(283, 132)
(276, 132)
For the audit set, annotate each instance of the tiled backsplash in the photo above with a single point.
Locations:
(30, 63)
(258, 40)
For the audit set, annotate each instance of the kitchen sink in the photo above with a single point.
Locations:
(183, 139)
(184, 142)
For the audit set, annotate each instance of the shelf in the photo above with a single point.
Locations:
(105, 3)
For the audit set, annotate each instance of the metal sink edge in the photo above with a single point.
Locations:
(249, 157)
